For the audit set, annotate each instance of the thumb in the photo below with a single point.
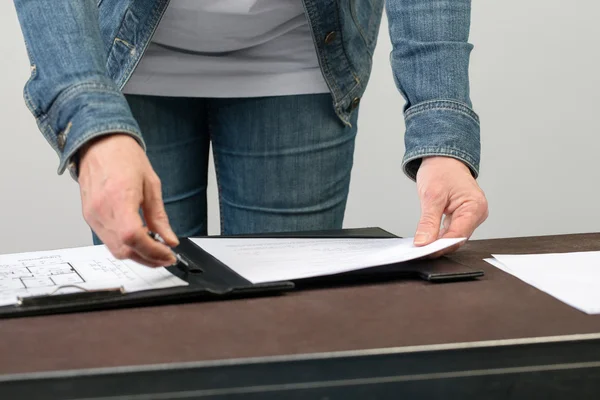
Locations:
(155, 214)
(428, 228)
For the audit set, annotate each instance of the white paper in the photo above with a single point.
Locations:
(573, 278)
(271, 260)
(92, 267)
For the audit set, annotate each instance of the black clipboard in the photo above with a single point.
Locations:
(218, 282)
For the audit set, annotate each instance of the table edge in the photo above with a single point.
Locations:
(295, 357)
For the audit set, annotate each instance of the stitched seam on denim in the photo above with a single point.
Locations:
(156, 16)
(445, 105)
(119, 128)
(412, 174)
(32, 75)
(442, 109)
(326, 146)
(76, 90)
(351, 67)
(301, 210)
(362, 32)
(441, 151)
(66, 131)
(47, 131)
(428, 103)
(351, 93)
(360, 29)
(441, 103)
(326, 70)
(111, 129)
(125, 43)
(81, 139)
(322, 59)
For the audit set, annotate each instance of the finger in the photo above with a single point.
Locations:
(463, 223)
(432, 209)
(155, 214)
(132, 234)
(123, 252)
(460, 224)
(130, 254)
(120, 227)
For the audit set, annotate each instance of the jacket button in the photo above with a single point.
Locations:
(355, 103)
(61, 140)
(330, 37)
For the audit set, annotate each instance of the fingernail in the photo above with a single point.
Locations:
(421, 238)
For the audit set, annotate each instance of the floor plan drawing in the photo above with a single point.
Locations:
(68, 270)
(25, 276)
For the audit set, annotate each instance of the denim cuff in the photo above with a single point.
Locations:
(441, 128)
(82, 113)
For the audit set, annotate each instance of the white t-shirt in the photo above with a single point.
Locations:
(230, 48)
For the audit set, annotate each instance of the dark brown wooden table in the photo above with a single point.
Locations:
(495, 337)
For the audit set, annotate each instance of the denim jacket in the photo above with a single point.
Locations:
(82, 52)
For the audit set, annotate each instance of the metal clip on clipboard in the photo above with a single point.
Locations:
(55, 299)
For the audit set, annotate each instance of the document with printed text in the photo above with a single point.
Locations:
(271, 260)
(257, 260)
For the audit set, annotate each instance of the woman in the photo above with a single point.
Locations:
(132, 93)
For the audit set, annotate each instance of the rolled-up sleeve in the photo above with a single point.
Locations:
(69, 92)
(430, 62)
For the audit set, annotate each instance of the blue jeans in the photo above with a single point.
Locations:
(282, 163)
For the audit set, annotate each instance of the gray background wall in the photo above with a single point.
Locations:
(535, 84)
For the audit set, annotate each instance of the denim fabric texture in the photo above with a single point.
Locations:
(282, 163)
(82, 52)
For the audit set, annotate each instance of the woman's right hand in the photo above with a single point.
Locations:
(116, 180)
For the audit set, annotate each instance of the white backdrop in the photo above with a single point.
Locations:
(534, 83)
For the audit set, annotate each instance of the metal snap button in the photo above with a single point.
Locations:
(330, 37)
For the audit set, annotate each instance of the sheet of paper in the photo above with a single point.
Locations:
(573, 278)
(271, 260)
(91, 267)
